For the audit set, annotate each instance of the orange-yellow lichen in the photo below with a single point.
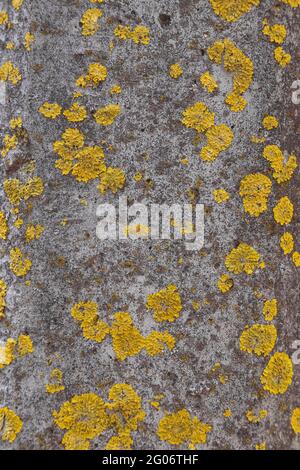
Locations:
(115, 90)
(139, 35)
(295, 420)
(29, 39)
(16, 123)
(33, 232)
(87, 416)
(270, 309)
(236, 62)
(107, 115)
(24, 345)
(244, 258)
(76, 113)
(296, 259)
(255, 190)
(278, 374)
(253, 418)
(19, 264)
(292, 3)
(198, 117)
(175, 71)
(92, 327)
(10, 424)
(50, 110)
(3, 226)
(220, 195)
(283, 58)
(276, 33)
(16, 191)
(233, 10)
(225, 283)
(270, 122)
(283, 211)
(112, 179)
(181, 429)
(89, 21)
(208, 82)
(97, 73)
(3, 291)
(287, 243)
(3, 17)
(55, 385)
(12, 349)
(10, 142)
(219, 138)
(10, 73)
(283, 169)
(258, 339)
(165, 304)
(16, 4)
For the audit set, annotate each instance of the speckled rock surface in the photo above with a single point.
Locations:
(206, 373)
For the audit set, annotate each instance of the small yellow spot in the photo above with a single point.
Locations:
(115, 90)
(287, 243)
(50, 110)
(282, 57)
(10, 424)
(270, 122)
(107, 115)
(208, 82)
(283, 211)
(220, 195)
(270, 309)
(89, 21)
(175, 71)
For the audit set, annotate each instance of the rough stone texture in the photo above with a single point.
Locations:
(69, 262)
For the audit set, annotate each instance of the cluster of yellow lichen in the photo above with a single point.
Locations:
(254, 418)
(16, 191)
(283, 211)
(85, 163)
(55, 385)
(89, 21)
(97, 73)
(255, 190)
(3, 291)
(13, 349)
(233, 10)
(10, 73)
(219, 137)
(19, 264)
(165, 304)
(244, 258)
(208, 82)
(295, 420)
(181, 429)
(278, 374)
(3, 226)
(277, 34)
(270, 309)
(258, 339)
(10, 424)
(283, 169)
(33, 232)
(270, 122)
(139, 34)
(225, 283)
(127, 340)
(175, 71)
(107, 114)
(87, 416)
(239, 65)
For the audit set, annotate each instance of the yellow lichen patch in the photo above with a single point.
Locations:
(19, 264)
(175, 71)
(241, 67)
(93, 328)
(29, 39)
(283, 169)
(295, 420)
(254, 418)
(270, 122)
(292, 3)
(112, 179)
(181, 429)
(107, 115)
(33, 232)
(128, 341)
(89, 21)
(139, 35)
(278, 374)
(276, 33)
(219, 139)
(76, 113)
(115, 90)
(270, 309)
(225, 283)
(165, 304)
(3, 291)
(18, 223)
(208, 82)
(233, 10)
(255, 190)
(283, 58)
(261, 446)
(50, 110)
(16, 123)
(244, 258)
(258, 339)
(10, 46)
(17, 191)
(227, 413)
(87, 416)
(198, 117)
(97, 73)
(3, 226)
(55, 385)
(296, 259)
(3, 17)
(10, 424)
(24, 345)
(10, 73)
(283, 211)
(10, 142)
(17, 4)
(287, 243)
